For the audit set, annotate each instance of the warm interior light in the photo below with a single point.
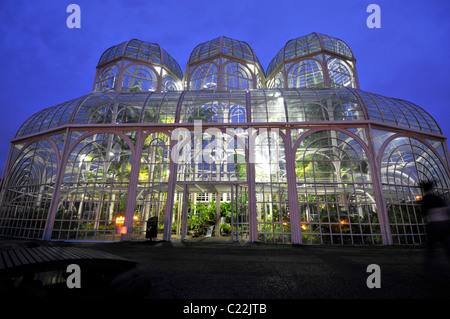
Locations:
(344, 222)
(304, 227)
(120, 220)
(418, 197)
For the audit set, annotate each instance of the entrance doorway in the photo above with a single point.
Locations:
(211, 210)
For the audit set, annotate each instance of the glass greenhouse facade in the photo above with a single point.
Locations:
(295, 154)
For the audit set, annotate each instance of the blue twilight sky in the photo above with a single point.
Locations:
(44, 63)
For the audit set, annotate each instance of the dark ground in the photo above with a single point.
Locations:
(215, 269)
(210, 269)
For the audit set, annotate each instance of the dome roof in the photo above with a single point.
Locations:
(225, 46)
(142, 51)
(309, 44)
(268, 105)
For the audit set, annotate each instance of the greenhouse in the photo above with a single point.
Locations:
(297, 153)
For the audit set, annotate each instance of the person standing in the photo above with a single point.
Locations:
(434, 208)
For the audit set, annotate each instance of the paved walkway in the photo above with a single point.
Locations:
(220, 269)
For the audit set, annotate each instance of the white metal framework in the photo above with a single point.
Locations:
(301, 156)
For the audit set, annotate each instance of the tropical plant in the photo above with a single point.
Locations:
(225, 229)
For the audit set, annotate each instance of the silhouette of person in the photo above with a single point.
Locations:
(434, 209)
(152, 228)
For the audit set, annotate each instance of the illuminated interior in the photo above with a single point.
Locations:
(295, 154)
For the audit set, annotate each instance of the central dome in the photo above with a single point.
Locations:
(224, 64)
(225, 46)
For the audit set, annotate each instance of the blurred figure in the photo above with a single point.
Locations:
(434, 209)
(152, 228)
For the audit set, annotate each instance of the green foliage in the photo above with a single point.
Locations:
(205, 216)
(225, 210)
(225, 229)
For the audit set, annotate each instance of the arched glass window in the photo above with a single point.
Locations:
(28, 190)
(305, 73)
(170, 84)
(93, 194)
(335, 191)
(152, 183)
(204, 77)
(237, 76)
(340, 74)
(139, 78)
(107, 79)
(404, 163)
(237, 113)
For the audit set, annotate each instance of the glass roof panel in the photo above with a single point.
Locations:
(306, 45)
(301, 46)
(93, 108)
(336, 45)
(275, 63)
(172, 65)
(398, 112)
(269, 105)
(168, 106)
(112, 53)
(226, 46)
(205, 50)
(142, 51)
(27, 127)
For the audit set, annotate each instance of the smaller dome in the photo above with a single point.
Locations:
(308, 44)
(141, 51)
(225, 46)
